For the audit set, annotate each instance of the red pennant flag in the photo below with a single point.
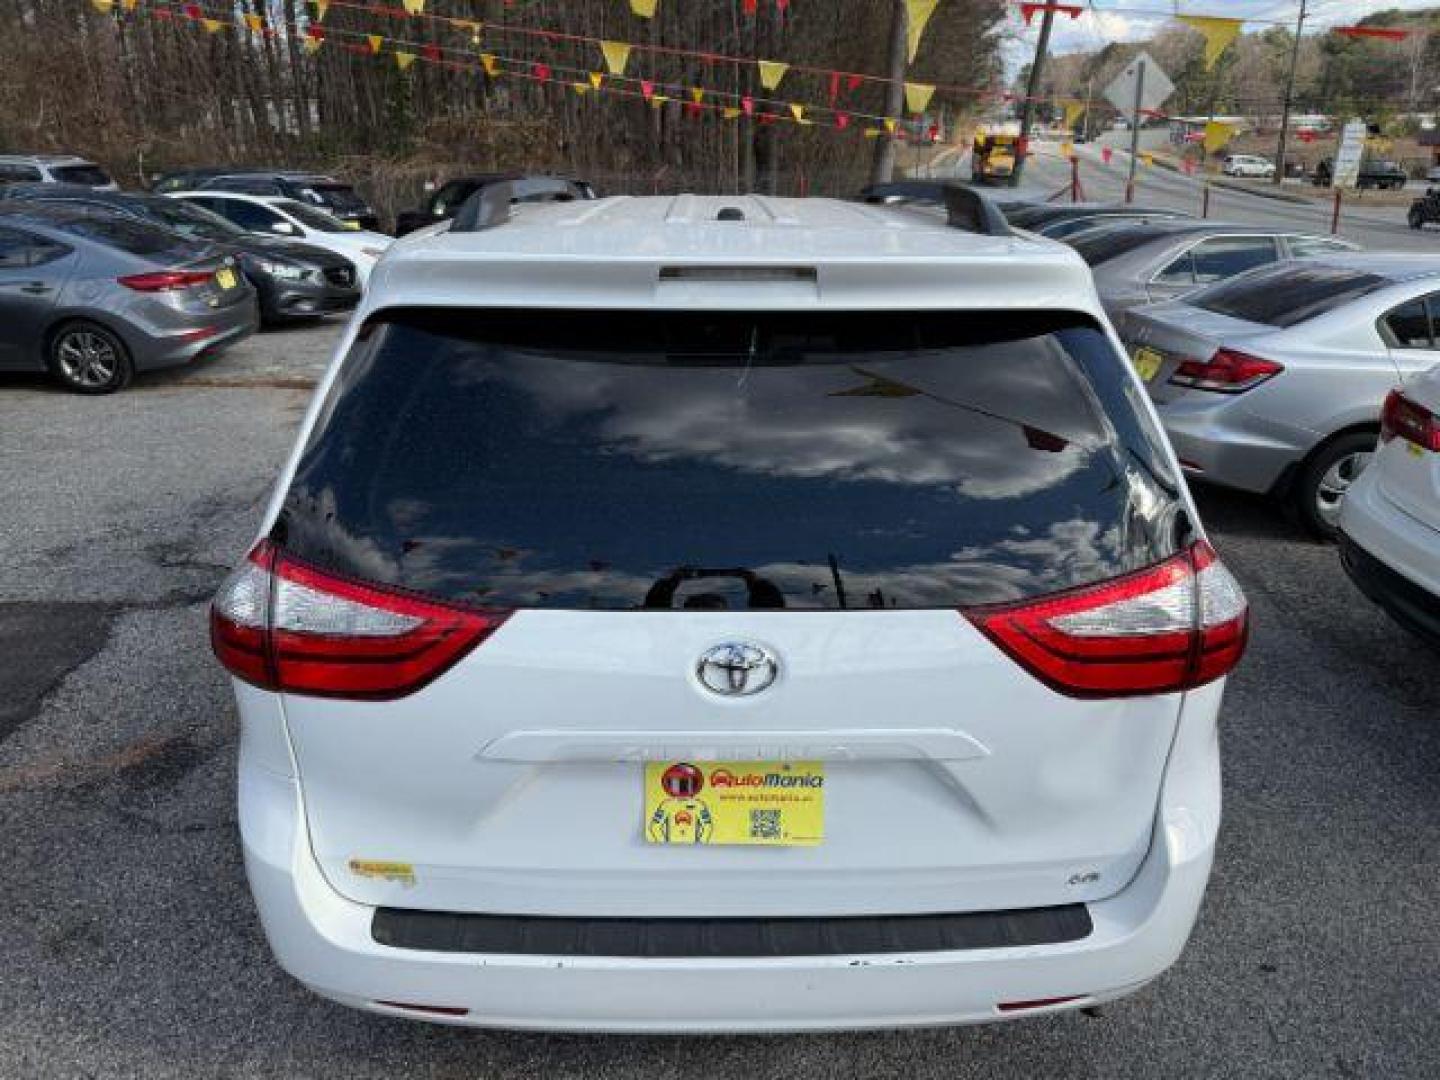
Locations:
(747, 7)
(542, 71)
(842, 121)
(781, 5)
(315, 33)
(192, 11)
(1387, 33)
(692, 109)
(748, 104)
(431, 53)
(933, 132)
(853, 83)
(1306, 135)
(834, 87)
(647, 88)
(1106, 154)
(1028, 11)
(1188, 166)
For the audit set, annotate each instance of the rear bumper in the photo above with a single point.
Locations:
(1218, 441)
(153, 347)
(1386, 552)
(328, 943)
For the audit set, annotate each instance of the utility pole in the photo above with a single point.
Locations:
(882, 165)
(1032, 91)
(1289, 92)
(1135, 130)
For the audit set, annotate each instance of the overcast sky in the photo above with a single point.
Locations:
(1095, 28)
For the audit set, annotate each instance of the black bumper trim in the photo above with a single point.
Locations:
(535, 935)
(1408, 604)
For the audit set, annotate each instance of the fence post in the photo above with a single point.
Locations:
(1335, 214)
(1205, 200)
(1074, 177)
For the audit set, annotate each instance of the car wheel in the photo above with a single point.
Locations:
(1327, 476)
(89, 359)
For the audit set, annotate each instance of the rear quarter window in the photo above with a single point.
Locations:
(681, 460)
(131, 237)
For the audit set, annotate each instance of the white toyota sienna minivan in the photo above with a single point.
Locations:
(707, 614)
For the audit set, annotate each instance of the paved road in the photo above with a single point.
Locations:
(131, 947)
(1375, 226)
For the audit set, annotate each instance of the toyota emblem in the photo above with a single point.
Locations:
(735, 669)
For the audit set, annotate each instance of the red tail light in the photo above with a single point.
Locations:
(166, 280)
(1408, 420)
(1171, 627)
(1227, 372)
(287, 626)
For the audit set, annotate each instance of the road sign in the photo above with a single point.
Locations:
(1346, 172)
(1154, 85)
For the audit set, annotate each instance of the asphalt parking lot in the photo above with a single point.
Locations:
(131, 947)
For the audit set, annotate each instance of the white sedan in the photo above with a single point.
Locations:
(275, 215)
(1248, 165)
(1390, 518)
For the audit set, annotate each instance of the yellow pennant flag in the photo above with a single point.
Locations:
(374, 41)
(697, 95)
(1147, 159)
(403, 60)
(917, 14)
(104, 6)
(471, 27)
(413, 7)
(656, 100)
(771, 72)
(254, 22)
(871, 133)
(1217, 134)
(312, 45)
(917, 96)
(1219, 33)
(1067, 150)
(644, 8)
(890, 125)
(214, 26)
(596, 78)
(580, 88)
(491, 65)
(617, 55)
(730, 112)
(322, 7)
(1073, 110)
(797, 111)
(129, 5)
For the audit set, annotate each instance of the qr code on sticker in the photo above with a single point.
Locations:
(765, 824)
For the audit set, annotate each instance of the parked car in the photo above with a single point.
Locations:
(1425, 210)
(1059, 220)
(1390, 519)
(1272, 382)
(93, 297)
(293, 280)
(53, 169)
(334, 196)
(1247, 165)
(447, 199)
(270, 215)
(1432, 174)
(1374, 173)
(608, 507)
(1146, 262)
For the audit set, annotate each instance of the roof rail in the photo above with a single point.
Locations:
(965, 208)
(487, 208)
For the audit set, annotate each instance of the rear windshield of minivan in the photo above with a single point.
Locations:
(1286, 294)
(90, 175)
(626, 460)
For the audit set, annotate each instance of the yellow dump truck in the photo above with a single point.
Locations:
(993, 159)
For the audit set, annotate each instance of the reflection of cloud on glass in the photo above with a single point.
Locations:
(827, 430)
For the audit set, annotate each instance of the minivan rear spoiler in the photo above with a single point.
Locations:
(965, 208)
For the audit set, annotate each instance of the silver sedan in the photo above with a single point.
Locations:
(1272, 382)
(1142, 263)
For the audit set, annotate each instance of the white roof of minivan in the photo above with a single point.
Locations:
(610, 253)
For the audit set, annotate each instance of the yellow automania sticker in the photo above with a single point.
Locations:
(776, 803)
(400, 872)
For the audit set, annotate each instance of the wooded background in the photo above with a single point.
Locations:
(142, 94)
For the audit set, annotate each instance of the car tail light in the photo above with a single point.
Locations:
(166, 280)
(1408, 420)
(1173, 626)
(284, 625)
(1229, 371)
